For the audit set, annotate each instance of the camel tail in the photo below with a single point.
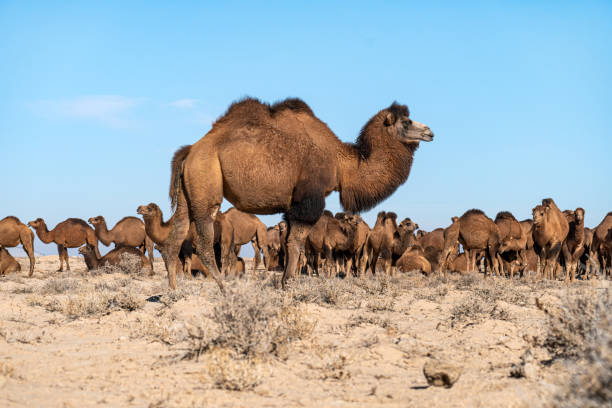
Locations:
(176, 168)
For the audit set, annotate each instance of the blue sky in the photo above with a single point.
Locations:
(95, 98)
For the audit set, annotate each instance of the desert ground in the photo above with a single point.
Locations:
(116, 337)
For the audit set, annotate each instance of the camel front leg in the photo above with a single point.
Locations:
(66, 257)
(298, 231)
(60, 253)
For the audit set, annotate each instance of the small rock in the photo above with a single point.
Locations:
(441, 374)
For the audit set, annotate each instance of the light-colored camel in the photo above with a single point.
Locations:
(602, 242)
(380, 241)
(475, 232)
(113, 258)
(512, 239)
(8, 264)
(413, 259)
(129, 231)
(550, 228)
(248, 228)
(13, 232)
(71, 233)
(268, 159)
(573, 246)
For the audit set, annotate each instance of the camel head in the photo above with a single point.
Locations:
(397, 123)
(86, 250)
(95, 221)
(282, 227)
(409, 225)
(579, 214)
(149, 210)
(420, 234)
(539, 214)
(37, 223)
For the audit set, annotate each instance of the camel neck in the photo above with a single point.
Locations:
(91, 261)
(103, 233)
(44, 234)
(156, 229)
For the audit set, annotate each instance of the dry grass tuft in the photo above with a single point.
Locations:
(229, 372)
(475, 309)
(56, 286)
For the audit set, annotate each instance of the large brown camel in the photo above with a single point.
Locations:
(512, 238)
(380, 241)
(129, 231)
(248, 228)
(550, 228)
(113, 258)
(413, 259)
(71, 233)
(602, 242)
(433, 245)
(573, 246)
(8, 264)
(267, 159)
(13, 232)
(475, 232)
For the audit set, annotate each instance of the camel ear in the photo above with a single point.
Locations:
(389, 119)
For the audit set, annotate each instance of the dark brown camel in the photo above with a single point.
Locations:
(8, 264)
(129, 231)
(550, 228)
(13, 232)
(267, 159)
(113, 258)
(380, 241)
(248, 228)
(475, 232)
(589, 258)
(413, 259)
(71, 233)
(433, 245)
(573, 246)
(404, 238)
(602, 242)
(512, 239)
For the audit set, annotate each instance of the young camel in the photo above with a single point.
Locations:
(13, 232)
(129, 231)
(8, 264)
(413, 259)
(380, 241)
(550, 228)
(573, 246)
(248, 228)
(433, 245)
(71, 233)
(512, 239)
(267, 159)
(113, 258)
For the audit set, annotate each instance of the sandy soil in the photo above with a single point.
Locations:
(74, 339)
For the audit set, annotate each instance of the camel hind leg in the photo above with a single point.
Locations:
(148, 243)
(27, 241)
(263, 245)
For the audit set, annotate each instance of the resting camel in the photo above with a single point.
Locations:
(380, 241)
(573, 246)
(475, 232)
(602, 242)
(70, 233)
(8, 264)
(113, 258)
(129, 231)
(512, 238)
(248, 228)
(433, 245)
(413, 259)
(13, 232)
(267, 159)
(550, 228)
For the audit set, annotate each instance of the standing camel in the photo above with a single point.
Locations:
(13, 232)
(129, 231)
(550, 228)
(71, 233)
(475, 232)
(267, 159)
(381, 240)
(249, 228)
(602, 244)
(573, 246)
(512, 239)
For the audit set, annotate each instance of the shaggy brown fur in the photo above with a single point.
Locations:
(337, 243)
(8, 264)
(129, 231)
(602, 243)
(550, 228)
(70, 233)
(13, 232)
(283, 159)
(404, 238)
(433, 245)
(248, 228)
(474, 231)
(113, 258)
(512, 238)
(573, 246)
(273, 241)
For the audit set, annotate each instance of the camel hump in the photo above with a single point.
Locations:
(176, 171)
(78, 221)
(504, 215)
(473, 211)
(293, 104)
(12, 218)
(391, 215)
(609, 214)
(328, 213)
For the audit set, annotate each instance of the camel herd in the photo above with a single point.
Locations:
(281, 158)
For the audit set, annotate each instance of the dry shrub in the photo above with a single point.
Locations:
(380, 304)
(57, 286)
(165, 329)
(228, 371)
(475, 309)
(360, 319)
(335, 367)
(580, 330)
(316, 290)
(434, 294)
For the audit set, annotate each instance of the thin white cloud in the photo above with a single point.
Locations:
(186, 103)
(107, 109)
